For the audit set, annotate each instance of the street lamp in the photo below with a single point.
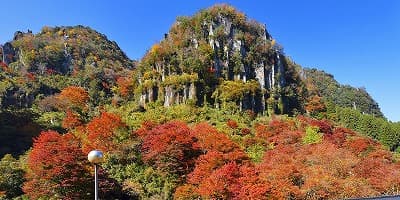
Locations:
(95, 157)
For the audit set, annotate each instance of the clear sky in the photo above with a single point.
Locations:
(357, 41)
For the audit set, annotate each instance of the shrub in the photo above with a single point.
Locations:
(312, 135)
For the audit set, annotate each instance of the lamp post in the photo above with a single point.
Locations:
(95, 157)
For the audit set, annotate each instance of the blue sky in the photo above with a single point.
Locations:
(355, 40)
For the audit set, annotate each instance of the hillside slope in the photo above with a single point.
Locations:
(45, 63)
(323, 84)
(35, 68)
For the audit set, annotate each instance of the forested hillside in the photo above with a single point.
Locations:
(215, 110)
(324, 85)
(37, 67)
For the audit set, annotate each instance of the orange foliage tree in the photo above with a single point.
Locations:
(73, 100)
(221, 183)
(102, 131)
(74, 97)
(279, 132)
(232, 124)
(216, 174)
(125, 86)
(380, 172)
(71, 120)
(315, 105)
(210, 139)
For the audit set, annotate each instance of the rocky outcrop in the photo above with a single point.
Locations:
(8, 53)
(223, 46)
(269, 76)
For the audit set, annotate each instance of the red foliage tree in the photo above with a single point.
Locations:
(169, 147)
(262, 131)
(245, 131)
(284, 181)
(216, 173)
(359, 145)
(324, 126)
(205, 165)
(30, 76)
(73, 100)
(275, 127)
(232, 124)
(343, 165)
(251, 185)
(56, 168)
(101, 132)
(3, 66)
(144, 129)
(218, 147)
(325, 170)
(234, 181)
(216, 176)
(338, 136)
(279, 132)
(380, 172)
(221, 183)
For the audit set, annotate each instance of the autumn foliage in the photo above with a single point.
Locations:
(125, 86)
(342, 165)
(315, 104)
(232, 124)
(210, 139)
(59, 169)
(210, 164)
(56, 168)
(203, 144)
(169, 147)
(71, 120)
(3, 66)
(74, 96)
(101, 131)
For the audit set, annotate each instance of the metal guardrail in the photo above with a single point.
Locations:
(394, 197)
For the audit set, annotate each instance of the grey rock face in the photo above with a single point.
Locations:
(8, 53)
(232, 60)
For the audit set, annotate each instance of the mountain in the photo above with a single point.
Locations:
(44, 63)
(215, 110)
(219, 56)
(215, 57)
(37, 67)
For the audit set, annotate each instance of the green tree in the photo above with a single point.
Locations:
(11, 177)
(388, 136)
(312, 136)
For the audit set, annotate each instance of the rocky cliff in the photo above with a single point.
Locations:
(219, 56)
